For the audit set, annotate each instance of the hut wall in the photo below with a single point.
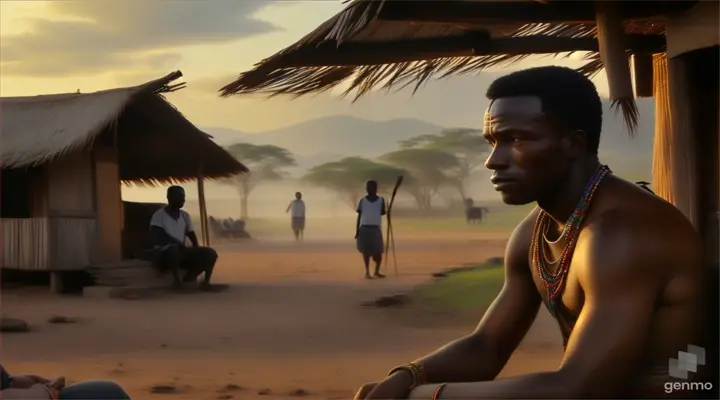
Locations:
(70, 186)
(71, 211)
(25, 232)
(109, 205)
(39, 188)
(694, 29)
(688, 144)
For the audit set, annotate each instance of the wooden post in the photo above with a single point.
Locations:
(612, 43)
(203, 209)
(643, 72)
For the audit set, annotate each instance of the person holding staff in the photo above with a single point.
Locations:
(368, 232)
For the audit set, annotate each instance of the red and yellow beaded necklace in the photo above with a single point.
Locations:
(555, 281)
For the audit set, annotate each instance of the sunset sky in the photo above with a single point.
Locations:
(63, 46)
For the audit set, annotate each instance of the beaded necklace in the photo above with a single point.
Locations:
(555, 282)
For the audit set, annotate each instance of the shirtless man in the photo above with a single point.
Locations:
(632, 297)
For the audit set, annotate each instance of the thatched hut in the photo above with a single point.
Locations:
(63, 160)
(662, 49)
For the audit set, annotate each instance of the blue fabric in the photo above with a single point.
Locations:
(94, 390)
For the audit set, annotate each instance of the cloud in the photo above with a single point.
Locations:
(95, 36)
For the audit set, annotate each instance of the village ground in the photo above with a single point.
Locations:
(292, 319)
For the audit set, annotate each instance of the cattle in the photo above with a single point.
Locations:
(473, 214)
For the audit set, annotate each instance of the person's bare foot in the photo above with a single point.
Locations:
(379, 275)
(367, 276)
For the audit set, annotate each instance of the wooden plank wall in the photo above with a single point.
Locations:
(25, 243)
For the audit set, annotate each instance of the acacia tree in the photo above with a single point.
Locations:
(347, 177)
(265, 162)
(428, 167)
(466, 144)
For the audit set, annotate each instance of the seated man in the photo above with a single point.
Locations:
(36, 388)
(619, 268)
(169, 227)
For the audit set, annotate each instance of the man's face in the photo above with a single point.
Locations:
(530, 159)
(298, 195)
(371, 188)
(176, 198)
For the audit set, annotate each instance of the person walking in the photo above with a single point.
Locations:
(296, 208)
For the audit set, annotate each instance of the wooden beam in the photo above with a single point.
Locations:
(357, 53)
(482, 12)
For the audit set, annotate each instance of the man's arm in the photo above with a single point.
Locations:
(621, 275)
(383, 208)
(288, 208)
(26, 381)
(36, 392)
(482, 355)
(357, 222)
(158, 236)
(190, 230)
(193, 238)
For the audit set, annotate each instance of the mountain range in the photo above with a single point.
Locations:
(329, 138)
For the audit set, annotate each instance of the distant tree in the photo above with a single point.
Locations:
(265, 162)
(428, 167)
(347, 177)
(466, 144)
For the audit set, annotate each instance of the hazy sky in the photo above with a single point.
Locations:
(63, 46)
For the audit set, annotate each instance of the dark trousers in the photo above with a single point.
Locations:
(94, 390)
(194, 260)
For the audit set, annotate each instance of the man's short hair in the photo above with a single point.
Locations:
(175, 188)
(568, 98)
(371, 182)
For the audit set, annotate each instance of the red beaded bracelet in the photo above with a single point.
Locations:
(439, 390)
(54, 395)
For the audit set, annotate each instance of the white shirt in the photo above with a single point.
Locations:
(177, 228)
(297, 209)
(371, 211)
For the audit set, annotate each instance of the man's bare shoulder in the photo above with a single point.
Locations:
(649, 241)
(518, 247)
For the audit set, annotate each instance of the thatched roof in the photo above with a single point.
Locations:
(156, 143)
(396, 43)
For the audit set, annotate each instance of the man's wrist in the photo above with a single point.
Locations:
(415, 372)
(405, 376)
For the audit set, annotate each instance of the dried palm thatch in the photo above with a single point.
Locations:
(388, 44)
(156, 144)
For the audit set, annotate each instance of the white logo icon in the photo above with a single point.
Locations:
(686, 362)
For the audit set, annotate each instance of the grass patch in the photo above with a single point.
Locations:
(466, 290)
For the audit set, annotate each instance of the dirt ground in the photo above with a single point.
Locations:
(291, 320)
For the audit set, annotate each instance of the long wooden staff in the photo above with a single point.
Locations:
(389, 238)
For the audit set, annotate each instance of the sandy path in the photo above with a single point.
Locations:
(291, 320)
